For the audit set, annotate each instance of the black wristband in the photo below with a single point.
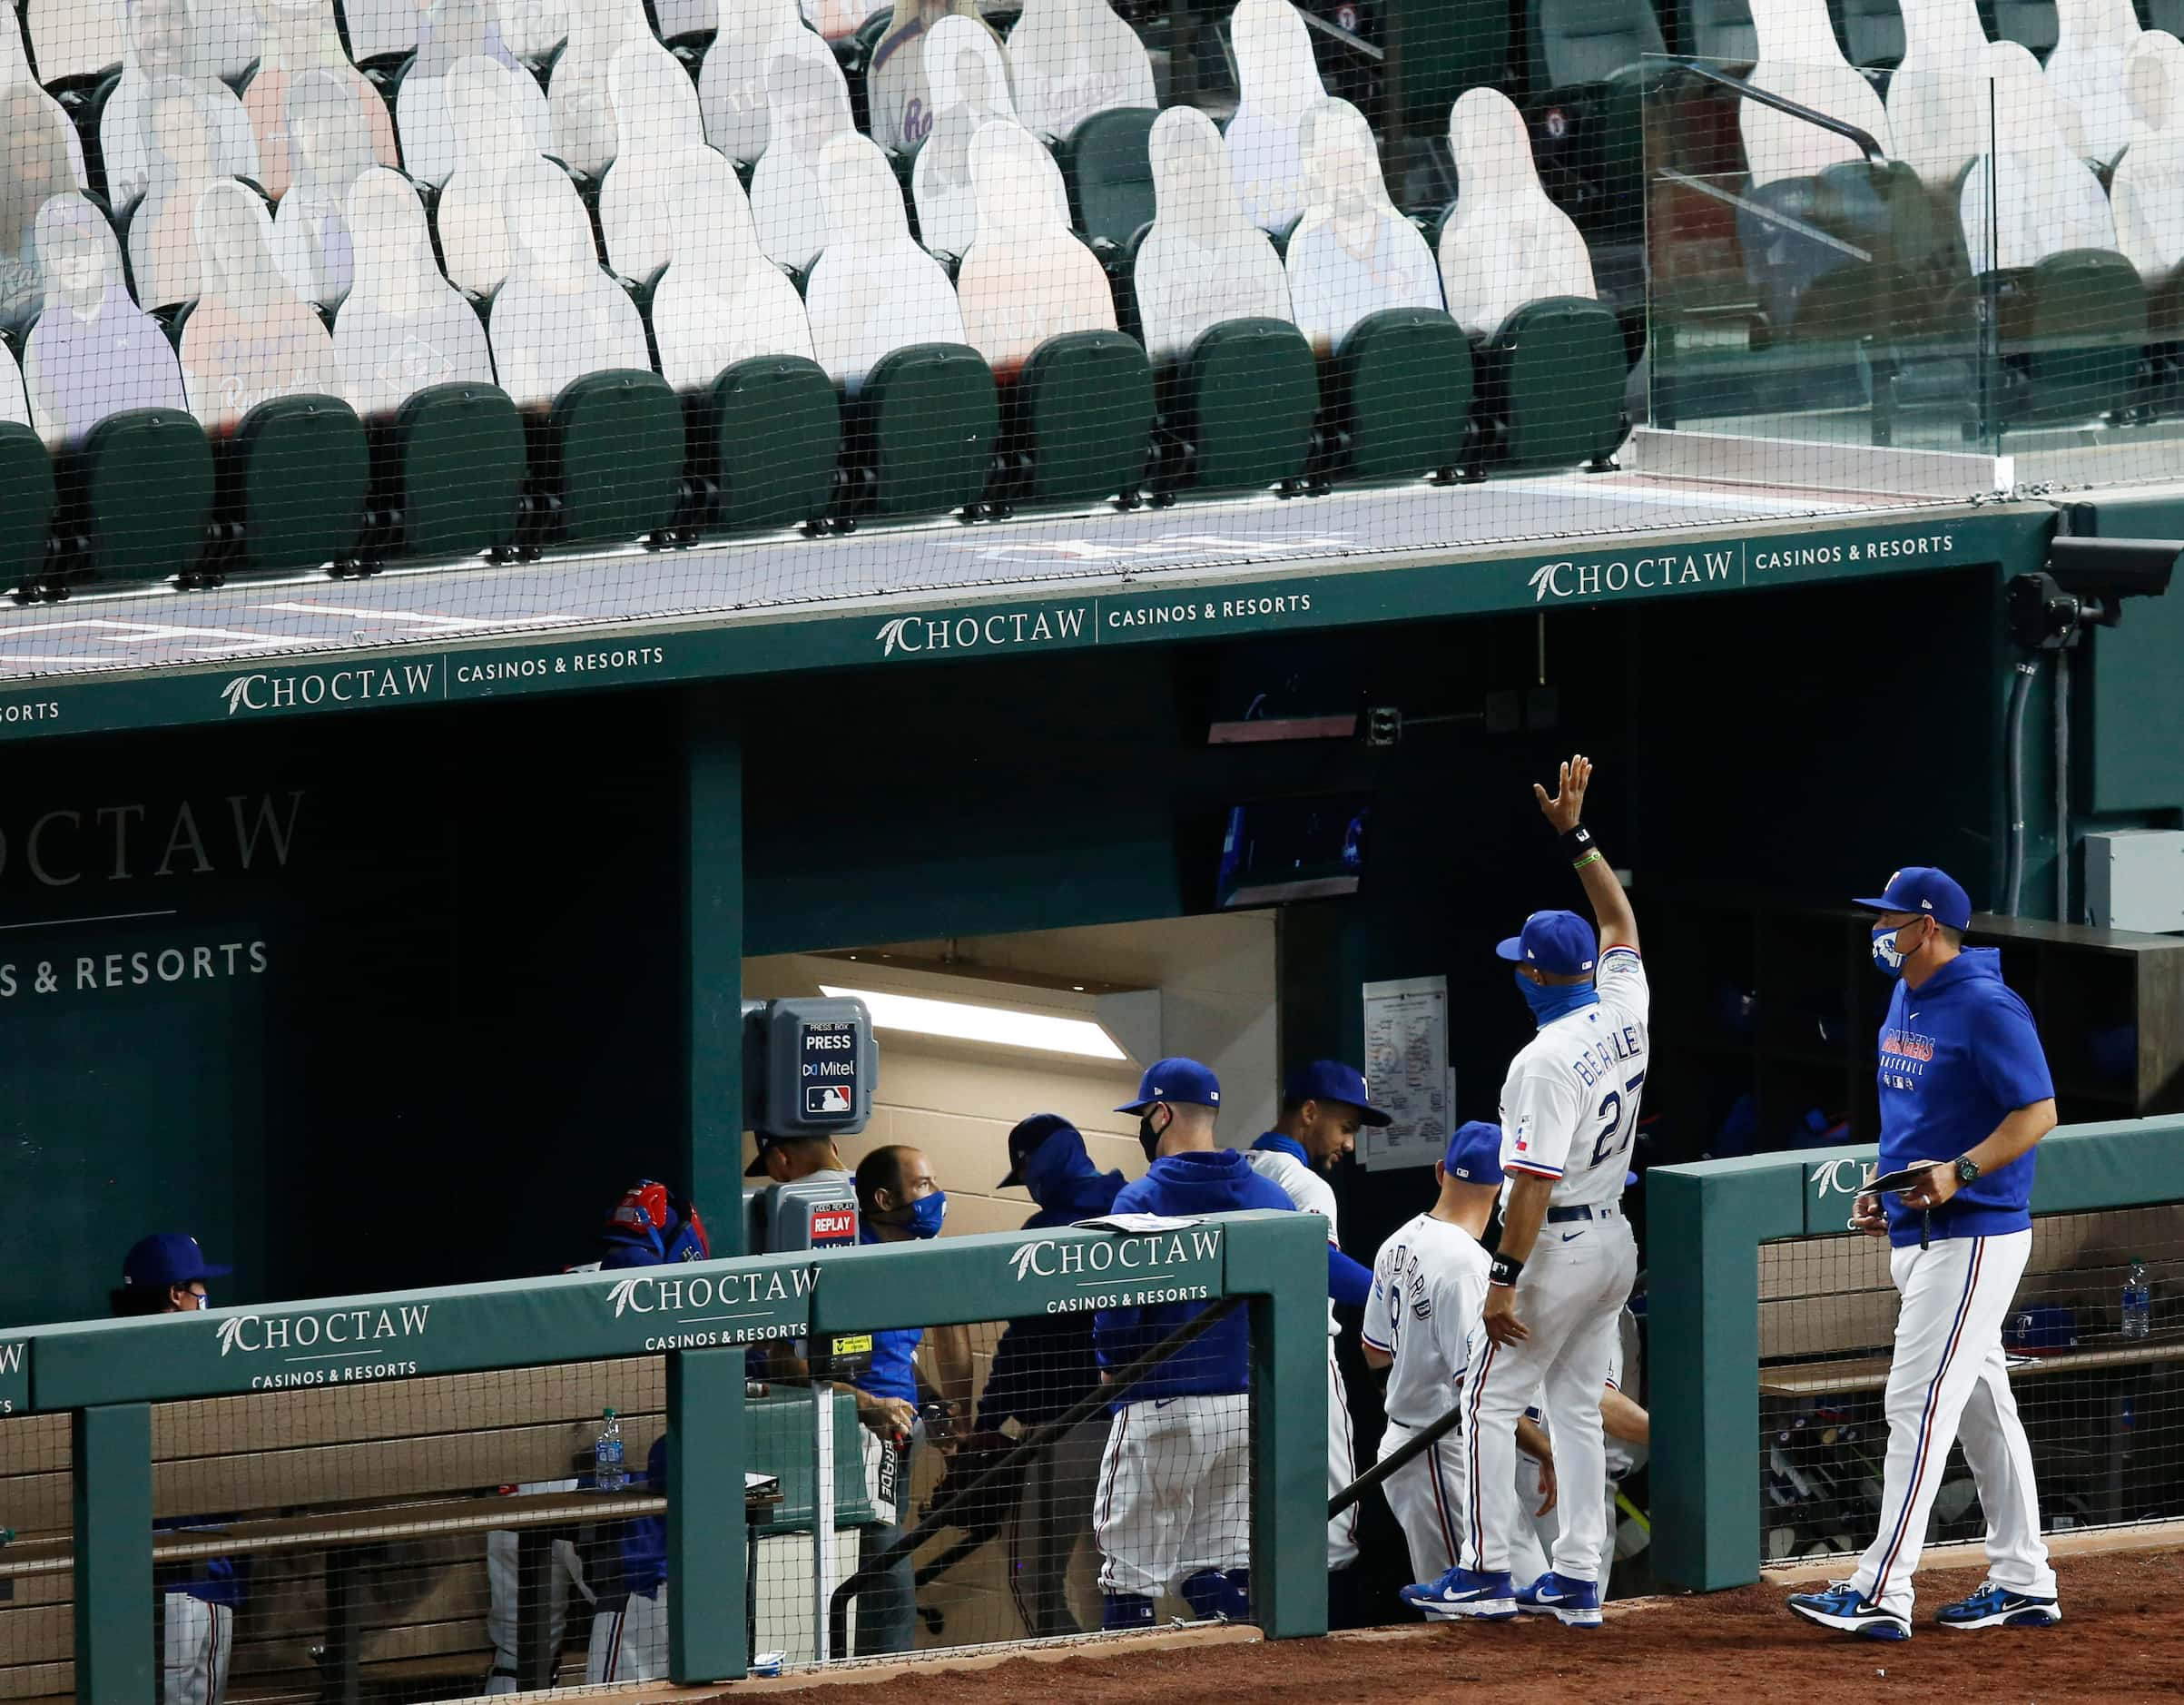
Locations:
(1504, 1270)
(1577, 843)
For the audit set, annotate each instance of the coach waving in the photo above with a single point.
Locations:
(1965, 1095)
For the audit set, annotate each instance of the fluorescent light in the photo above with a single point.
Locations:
(960, 1021)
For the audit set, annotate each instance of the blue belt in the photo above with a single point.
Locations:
(1563, 1215)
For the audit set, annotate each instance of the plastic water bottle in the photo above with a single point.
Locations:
(608, 1473)
(2138, 1303)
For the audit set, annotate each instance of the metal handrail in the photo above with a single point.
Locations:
(1873, 150)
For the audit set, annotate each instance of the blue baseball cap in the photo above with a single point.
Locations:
(1923, 889)
(1183, 1082)
(1560, 943)
(168, 1257)
(1475, 1153)
(1027, 1135)
(1332, 1081)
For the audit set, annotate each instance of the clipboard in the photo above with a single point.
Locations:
(1901, 1180)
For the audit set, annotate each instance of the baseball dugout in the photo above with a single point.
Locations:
(1767, 1413)
(416, 1509)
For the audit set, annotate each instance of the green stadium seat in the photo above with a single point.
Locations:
(2033, 23)
(765, 441)
(1239, 408)
(137, 496)
(1080, 419)
(1552, 385)
(923, 430)
(1109, 172)
(1446, 46)
(2073, 333)
(1591, 63)
(1871, 32)
(606, 462)
(450, 472)
(27, 505)
(1399, 398)
(1720, 32)
(292, 484)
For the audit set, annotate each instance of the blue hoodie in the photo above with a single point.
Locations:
(1044, 1362)
(1958, 1054)
(1186, 1185)
(639, 1558)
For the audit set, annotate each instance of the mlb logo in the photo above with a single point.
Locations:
(826, 1098)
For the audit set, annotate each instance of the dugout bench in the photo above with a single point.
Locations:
(363, 1510)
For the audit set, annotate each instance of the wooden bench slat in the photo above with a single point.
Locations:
(39, 1682)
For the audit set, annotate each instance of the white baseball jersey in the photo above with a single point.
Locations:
(1570, 1106)
(1429, 1288)
(1305, 1185)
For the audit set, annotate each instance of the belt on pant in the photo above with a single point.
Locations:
(1563, 1215)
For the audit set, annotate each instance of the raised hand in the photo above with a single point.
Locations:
(1567, 805)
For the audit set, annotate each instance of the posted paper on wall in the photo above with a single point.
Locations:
(1407, 1070)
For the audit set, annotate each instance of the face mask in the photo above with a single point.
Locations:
(926, 1213)
(1148, 1136)
(1887, 951)
(1549, 1001)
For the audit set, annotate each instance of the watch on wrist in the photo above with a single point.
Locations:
(1967, 1170)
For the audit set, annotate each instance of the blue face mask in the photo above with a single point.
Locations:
(1886, 954)
(926, 1213)
(1549, 1001)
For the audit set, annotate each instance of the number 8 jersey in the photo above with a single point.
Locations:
(1570, 1106)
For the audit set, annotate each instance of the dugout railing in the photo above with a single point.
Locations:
(109, 1430)
(1710, 1227)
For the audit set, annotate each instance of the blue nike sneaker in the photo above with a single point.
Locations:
(1487, 1598)
(1845, 1610)
(1999, 1606)
(1572, 1602)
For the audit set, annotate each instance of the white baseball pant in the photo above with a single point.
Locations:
(197, 1642)
(1175, 1491)
(505, 1589)
(629, 1644)
(1536, 1535)
(1949, 1374)
(1568, 1298)
(1426, 1495)
(1341, 1459)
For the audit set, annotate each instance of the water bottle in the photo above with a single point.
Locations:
(607, 1471)
(2138, 1303)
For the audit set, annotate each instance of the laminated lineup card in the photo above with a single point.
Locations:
(720, 301)
(1074, 58)
(162, 51)
(1351, 254)
(559, 316)
(93, 351)
(500, 134)
(1025, 278)
(2147, 191)
(404, 326)
(250, 338)
(969, 81)
(1203, 262)
(2033, 196)
(875, 289)
(1507, 243)
(1800, 60)
(1407, 1068)
(432, 140)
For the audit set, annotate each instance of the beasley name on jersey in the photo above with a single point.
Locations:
(1570, 1108)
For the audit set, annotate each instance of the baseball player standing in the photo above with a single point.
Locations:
(1567, 1260)
(1172, 1507)
(1324, 1106)
(1422, 1323)
(1962, 1074)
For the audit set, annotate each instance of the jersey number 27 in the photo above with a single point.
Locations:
(1616, 1128)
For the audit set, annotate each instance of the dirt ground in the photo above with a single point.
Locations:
(2122, 1640)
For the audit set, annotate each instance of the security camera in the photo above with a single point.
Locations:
(2083, 585)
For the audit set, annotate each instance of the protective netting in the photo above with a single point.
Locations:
(37, 1608)
(298, 285)
(2094, 1341)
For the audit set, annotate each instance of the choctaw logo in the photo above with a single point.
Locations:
(1140, 1255)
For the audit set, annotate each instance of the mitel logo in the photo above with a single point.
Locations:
(252, 1334)
(980, 633)
(321, 686)
(1050, 1258)
(1570, 579)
